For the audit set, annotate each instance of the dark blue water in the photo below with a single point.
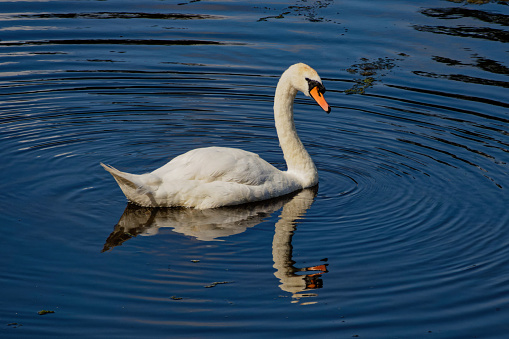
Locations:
(407, 235)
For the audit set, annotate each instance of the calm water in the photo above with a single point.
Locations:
(407, 235)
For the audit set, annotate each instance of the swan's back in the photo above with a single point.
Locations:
(218, 164)
(206, 178)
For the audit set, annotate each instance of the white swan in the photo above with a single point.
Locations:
(218, 176)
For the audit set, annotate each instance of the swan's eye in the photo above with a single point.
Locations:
(313, 83)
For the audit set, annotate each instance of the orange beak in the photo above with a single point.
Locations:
(315, 93)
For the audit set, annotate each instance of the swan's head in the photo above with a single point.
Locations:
(306, 80)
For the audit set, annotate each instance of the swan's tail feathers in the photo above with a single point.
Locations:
(136, 187)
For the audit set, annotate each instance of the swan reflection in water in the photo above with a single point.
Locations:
(211, 224)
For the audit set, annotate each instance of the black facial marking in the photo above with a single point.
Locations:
(314, 83)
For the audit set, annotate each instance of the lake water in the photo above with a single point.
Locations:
(407, 235)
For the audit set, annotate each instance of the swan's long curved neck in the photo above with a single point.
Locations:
(297, 158)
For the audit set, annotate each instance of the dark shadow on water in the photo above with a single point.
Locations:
(148, 42)
(485, 64)
(488, 26)
(212, 224)
(309, 10)
(118, 15)
(464, 78)
(465, 12)
(485, 33)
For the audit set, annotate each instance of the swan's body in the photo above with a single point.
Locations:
(218, 176)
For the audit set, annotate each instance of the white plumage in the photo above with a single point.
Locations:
(218, 176)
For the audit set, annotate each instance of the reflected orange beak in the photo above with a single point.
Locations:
(315, 93)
